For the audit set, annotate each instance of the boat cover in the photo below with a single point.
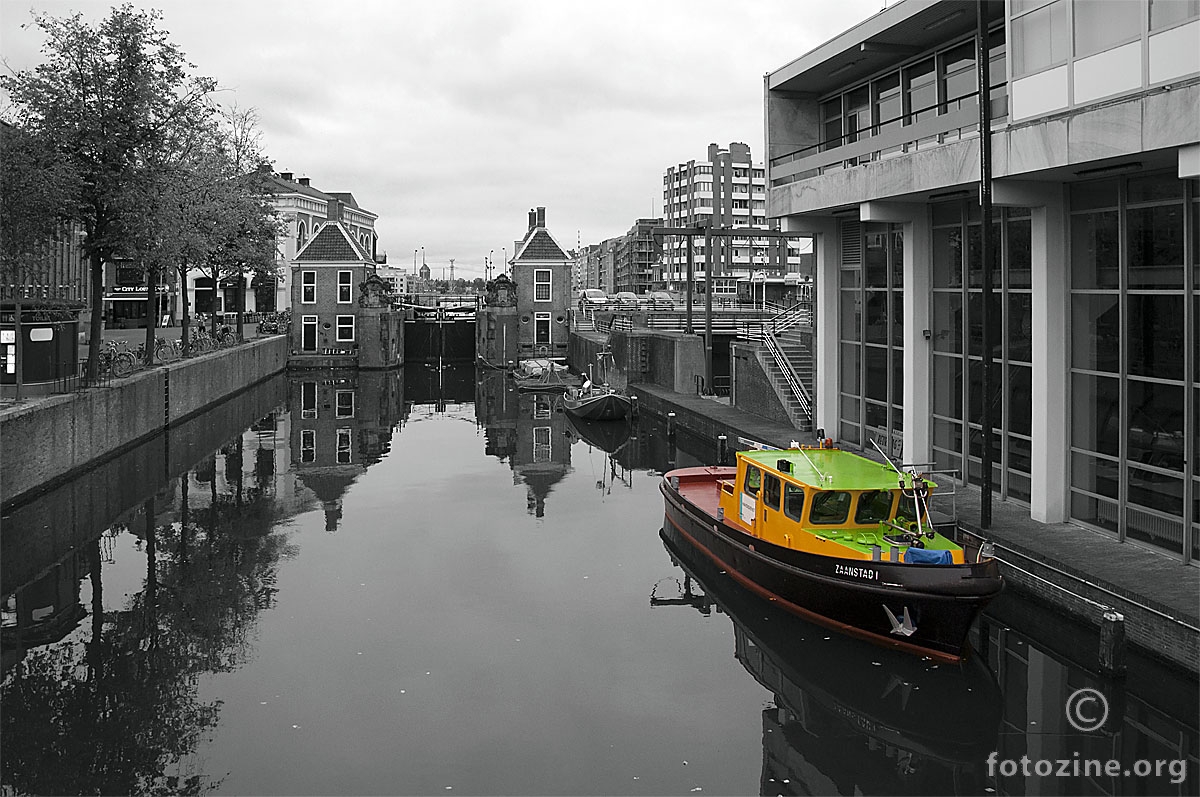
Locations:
(924, 556)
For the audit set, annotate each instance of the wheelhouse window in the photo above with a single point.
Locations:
(873, 506)
(829, 507)
(793, 501)
(308, 287)
(345, 287)
(753, 480)
(345, 328)
(542, 278)
(771, 491)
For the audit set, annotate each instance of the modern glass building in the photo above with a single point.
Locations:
(873, 146)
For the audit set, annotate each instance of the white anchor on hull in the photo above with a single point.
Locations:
(902, 627)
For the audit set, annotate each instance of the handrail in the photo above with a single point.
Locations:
(789, 375)
(800, 312)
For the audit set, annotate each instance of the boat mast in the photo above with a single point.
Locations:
(922, 506)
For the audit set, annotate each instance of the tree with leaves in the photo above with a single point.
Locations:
(107, 99)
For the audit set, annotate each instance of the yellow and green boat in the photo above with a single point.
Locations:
(835, 537)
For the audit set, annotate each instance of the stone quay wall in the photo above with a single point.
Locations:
(48, 440)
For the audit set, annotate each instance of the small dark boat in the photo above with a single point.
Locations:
(836, 538)
(597, 403)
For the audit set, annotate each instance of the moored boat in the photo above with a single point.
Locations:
(545, 376)
(597, 403)
(838, 538)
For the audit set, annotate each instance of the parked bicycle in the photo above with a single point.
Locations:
(115, 357)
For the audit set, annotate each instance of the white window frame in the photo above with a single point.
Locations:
(308, 400)
(345, 287)
(538, 318)
(543, 444)
(338, 411)
(543, 278)
(308, 445)
(339, 328)
(308, 287)
(345, 446)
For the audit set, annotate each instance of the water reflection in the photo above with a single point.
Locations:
(847, 717)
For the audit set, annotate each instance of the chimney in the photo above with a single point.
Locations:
(303, 181)
(264, 167)
(532, 218)
(333, 211)
(285, 176)
(541, 217)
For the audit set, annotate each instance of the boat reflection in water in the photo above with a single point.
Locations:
(849, 717)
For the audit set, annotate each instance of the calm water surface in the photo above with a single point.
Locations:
(426, 583)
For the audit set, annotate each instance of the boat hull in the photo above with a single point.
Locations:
(851, 595)
(598, 407)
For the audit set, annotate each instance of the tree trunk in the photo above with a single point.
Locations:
(216, 273)
(95, 333)
(151, 314)
(241, 302)
(185, 319)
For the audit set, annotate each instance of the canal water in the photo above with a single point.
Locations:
(424, 582)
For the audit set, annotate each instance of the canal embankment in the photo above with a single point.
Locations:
(1085, 574)
(48, 440)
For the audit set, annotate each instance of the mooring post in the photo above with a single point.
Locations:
(722, 449)
(1112, 643)
(670, 425)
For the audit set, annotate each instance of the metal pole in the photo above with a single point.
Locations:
(690, 267)
(985, 206)
(708, 292)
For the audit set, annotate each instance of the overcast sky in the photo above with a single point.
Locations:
(451, 119)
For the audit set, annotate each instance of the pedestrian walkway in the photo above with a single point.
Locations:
(1081, 570)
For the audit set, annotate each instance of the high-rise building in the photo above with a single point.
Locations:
(728, 190)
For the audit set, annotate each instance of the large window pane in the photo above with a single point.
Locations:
(1156, 490)
(1100, 24)
(1020, 327)
(1095, 250)
(947, 257)
(1020, 398)
(1156, 336)
(1020, 253)
(1095, 413)
(851, 315)
(877, 317)
(1019, 454)
(1164, 13)
(1040, 39)
(947, 386)
(849, 366)
(947, 321)
(922, 91)
(1156, 424)
(1096, 511)
(1095, 474)
(1156, 247)
(876, 373)
(1096, 331)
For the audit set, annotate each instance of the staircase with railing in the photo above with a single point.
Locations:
(786, 358)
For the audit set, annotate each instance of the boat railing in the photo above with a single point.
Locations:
(946, 490)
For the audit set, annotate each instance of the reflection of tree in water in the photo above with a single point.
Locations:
(119, 713)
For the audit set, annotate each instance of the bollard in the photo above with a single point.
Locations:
(1112, 643)
(876, 553)
(670, 424)
(721, 449)
(633, 410)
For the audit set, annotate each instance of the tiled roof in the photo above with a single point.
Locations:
(282, 186)
(346, 197)
(333, 244)
(540, 246)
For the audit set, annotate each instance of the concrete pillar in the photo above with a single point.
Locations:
(827, 250)
(1050, 466)
(917, 314)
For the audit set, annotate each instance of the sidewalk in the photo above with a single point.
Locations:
(1079, 570)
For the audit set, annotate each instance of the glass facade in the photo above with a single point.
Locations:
(872, 336)
(1134, 280)
(958, 345)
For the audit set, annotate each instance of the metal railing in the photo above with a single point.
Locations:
(789, 374)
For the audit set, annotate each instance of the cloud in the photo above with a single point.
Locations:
(451, 119)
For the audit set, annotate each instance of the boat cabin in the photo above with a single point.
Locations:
(827, 501)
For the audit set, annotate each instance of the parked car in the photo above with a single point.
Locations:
(593, 298)
(626, 300)
(661, 300)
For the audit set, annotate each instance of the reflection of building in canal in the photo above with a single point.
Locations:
(45, 610)
(528, 431)
(341, 423)
(847, 716)
(437, 385)
(1154, 712)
